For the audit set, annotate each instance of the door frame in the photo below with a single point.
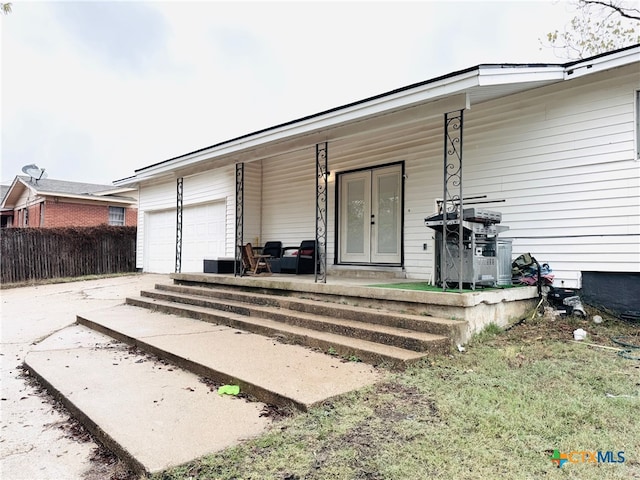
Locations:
(337, 213)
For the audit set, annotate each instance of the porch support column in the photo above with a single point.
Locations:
(452, 199)
(322, 173)
(179, 192)
(239, 241)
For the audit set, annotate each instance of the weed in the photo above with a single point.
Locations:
(487, 333)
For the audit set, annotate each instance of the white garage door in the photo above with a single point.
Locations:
(160, 241)
(203, 236)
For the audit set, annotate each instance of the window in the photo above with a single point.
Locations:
(116, 216)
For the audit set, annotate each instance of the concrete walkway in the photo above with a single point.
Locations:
(151, 413)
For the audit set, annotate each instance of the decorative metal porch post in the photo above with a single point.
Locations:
(179, 191)
(237, 264)
(322, 172)
(452, 198)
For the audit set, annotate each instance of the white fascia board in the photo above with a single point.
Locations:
(11, 193)
(502, 75)
(606, 62)
(88, 197)
(115, 191)
(376, 106)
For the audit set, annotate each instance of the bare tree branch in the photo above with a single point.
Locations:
(598, 26)
(623, 11)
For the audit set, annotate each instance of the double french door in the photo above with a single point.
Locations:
(370, 210)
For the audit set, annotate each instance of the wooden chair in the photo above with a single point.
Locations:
(252, 263)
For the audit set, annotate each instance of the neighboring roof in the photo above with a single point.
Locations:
(4, 189)
(480, 83)
(64, 188)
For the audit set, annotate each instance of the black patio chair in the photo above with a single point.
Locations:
(273, 249)
(305, 257)
(274, 252)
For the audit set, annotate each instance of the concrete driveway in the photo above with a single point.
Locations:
(32, 443)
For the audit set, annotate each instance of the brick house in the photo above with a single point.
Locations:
(59, 203)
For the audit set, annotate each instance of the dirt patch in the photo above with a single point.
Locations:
(403, 401)
(276, 413)
(106, 466)
(550, 324)
(390, 412)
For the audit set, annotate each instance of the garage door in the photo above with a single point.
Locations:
(203, 236)
(160, 241)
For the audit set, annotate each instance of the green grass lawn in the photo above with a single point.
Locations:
(496, 411)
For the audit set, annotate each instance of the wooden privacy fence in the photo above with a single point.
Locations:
(39, 253)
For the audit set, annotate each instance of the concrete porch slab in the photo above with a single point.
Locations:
(152, 415)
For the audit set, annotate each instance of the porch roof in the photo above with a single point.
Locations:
(453, 91)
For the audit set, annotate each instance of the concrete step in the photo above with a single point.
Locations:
(419, 323)
(270, 371)
(345, 346)
(381, 333)
(151, 414)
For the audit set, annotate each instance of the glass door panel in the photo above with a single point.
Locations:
(385, 231)
(371, 216)
(355, 217)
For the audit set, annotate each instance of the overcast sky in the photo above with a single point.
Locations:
(92, 91)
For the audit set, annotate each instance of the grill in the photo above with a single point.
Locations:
(485, 259)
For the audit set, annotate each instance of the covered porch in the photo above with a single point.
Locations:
(361, 194)
(358, 180)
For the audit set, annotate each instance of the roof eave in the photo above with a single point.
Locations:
(491, 75)
(605, 61)
(95, 198)
(430, 90)
(420, 93)
(10, 193)
(374, 106)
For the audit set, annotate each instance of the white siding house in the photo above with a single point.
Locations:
(556, 146)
